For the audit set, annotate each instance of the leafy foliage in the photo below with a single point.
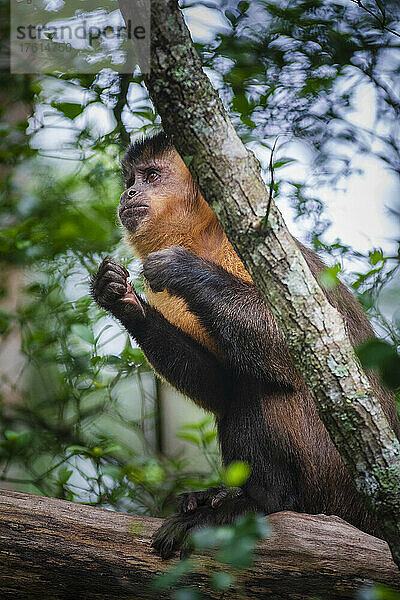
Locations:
(69, 428)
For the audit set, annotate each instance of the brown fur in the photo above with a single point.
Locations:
(179, 216)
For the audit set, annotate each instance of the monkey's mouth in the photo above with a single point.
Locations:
(131, 215)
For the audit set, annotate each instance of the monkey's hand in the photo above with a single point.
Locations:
(110, 286)
(169, 268)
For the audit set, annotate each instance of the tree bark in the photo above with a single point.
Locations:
(55, 549)
(230, 180)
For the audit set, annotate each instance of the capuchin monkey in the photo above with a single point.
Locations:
(207, 331)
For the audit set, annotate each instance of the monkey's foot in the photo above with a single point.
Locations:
(220, 506)
(213, 497)
(175, 533)
(171, 535)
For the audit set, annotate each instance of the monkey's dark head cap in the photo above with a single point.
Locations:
(145, 149)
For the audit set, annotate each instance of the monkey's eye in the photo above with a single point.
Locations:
(151, 176)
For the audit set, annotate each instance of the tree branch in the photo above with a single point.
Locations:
(56, 549)
(230, 180)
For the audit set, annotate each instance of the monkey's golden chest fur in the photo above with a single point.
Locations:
(176, 312)
(175, 309)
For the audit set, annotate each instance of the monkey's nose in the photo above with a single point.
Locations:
(128, 195)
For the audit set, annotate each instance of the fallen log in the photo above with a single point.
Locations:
(53, 549)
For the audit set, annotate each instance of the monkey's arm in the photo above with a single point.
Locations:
(232, 310)
(176, 356)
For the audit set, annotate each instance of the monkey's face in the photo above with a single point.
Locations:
(159, 197)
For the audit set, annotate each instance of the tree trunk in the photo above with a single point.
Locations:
(230, 180)
(53, 549)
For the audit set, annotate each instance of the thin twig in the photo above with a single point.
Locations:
(272, 182)
(378, 19)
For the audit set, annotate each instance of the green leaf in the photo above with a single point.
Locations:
(375, 257)
(95, 360)
(209, 437)
(69, 109)
(236, 474)
(231, 16)
(190, 437)
(187, 160)
(199, 424)
(134, 474)
(209, 537)
(239, 554)
(112, 360)
(11, 436)
(154, 474)
(281, 163)
(170, 577)
(96, 452)
(243, 6)
(381, 356)
(382, 592)
(366, 299)
(328, 277)
(84, 332)
(374, 353)
(64, 474)
(134, 355)
(77, 449)
(221, 580)
(186, 594)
